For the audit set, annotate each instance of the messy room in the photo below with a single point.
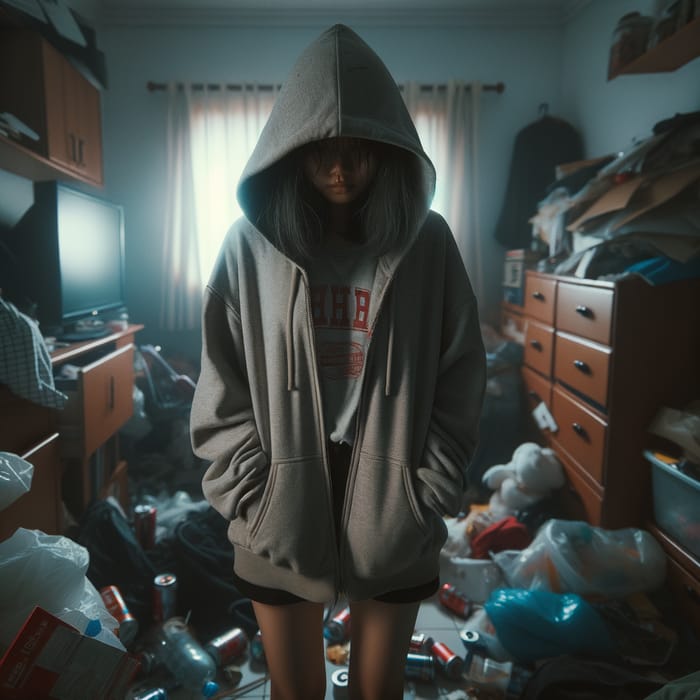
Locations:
(265, 433)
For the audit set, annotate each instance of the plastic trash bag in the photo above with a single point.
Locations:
(571, 556)
(49, 571)
(533, 625)
(15, 478)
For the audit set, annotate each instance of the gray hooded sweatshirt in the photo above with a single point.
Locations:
(257, 413)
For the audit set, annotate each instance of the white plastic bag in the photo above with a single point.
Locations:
(571, 556)
(49, 571)
(15, 478)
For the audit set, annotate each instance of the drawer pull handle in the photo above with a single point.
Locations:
(692, 594)
(536, 345)
(580, 430)
(538, 295)
(534, 395)
(584, 311)
(111, 393)
(581, 366)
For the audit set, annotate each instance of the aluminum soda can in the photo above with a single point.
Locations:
(257, 650)
(339, 681)
(455, 601)
(145, 525)
(451, 664)
(420, 643)
(227, 646)
(116, 607)
(337, 629)
(164, 597)
(420, 667)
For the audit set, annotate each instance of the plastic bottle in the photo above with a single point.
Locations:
(185, 657)
(504, 677)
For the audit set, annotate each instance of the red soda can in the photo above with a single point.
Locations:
(164, 597)
(116, 607)
(227, 646)
(420, 667)
(451, 664)
(420, 643)
(337, 629)
(145, 525)
(455, 601)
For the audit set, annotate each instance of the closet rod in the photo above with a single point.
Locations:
(153, 86)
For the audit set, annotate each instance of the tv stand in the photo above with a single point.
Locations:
(87, 334)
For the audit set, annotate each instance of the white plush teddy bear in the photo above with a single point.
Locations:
(531, 475)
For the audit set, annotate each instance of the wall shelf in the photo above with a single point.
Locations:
(672, 53)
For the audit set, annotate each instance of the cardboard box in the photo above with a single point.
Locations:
(50, 660)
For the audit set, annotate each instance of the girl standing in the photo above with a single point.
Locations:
(342, 373)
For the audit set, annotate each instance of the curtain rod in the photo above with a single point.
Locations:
(155, 87)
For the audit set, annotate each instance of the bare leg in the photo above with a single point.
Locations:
(293, 641)
(380, 635)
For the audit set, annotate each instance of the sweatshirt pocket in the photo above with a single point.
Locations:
(387, 530)
(292, 524)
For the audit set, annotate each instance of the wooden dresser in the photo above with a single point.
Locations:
(604, 357)
(74, 451)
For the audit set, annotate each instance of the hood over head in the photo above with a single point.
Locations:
(337, 87)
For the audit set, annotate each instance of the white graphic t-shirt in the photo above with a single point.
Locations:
(341, 279)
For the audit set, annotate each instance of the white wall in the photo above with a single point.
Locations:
(525, 59)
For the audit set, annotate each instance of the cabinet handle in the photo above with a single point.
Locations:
(538, 295)
(72, 148)
(111, 393)
(692, 594)
(584, 311)
(536, 345)
(580, 430)
(534, 395)
(81, 152)
(581, 366)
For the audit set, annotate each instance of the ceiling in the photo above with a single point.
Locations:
(297, 11)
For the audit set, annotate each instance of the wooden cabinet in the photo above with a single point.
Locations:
(604, 357)
(50, 96)
(75, 451)
(100, 402)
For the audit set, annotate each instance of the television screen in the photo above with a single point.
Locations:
(67, 254)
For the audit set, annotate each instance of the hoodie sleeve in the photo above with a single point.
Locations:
(222, 423)
(454, 424)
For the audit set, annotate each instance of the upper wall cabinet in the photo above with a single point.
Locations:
(50, 96)
(670, 54)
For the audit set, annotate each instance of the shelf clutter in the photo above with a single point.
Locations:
(646, 44)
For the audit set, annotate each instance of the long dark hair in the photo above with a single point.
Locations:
(293, 216)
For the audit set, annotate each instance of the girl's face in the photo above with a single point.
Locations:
(341, 169)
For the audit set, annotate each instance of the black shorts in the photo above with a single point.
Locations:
(339, 457)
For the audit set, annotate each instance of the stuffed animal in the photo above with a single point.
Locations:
(533, 473)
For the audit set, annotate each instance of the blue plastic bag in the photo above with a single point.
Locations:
(533, 624)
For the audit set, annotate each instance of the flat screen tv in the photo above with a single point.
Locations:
(68, 261)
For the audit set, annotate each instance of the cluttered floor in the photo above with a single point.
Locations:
(512, 637)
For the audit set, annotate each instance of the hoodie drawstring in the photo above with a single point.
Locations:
(390, 346)
(289, 335)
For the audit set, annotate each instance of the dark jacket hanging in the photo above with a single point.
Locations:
(538, 149)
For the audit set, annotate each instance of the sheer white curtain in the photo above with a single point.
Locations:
(211, 132)
(447, 120)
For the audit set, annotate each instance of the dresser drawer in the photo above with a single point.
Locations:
(581, 433)
(539, 346)
(540, 298)
(100, 404)
(686, 592)
(585, 311)
(582, 365)
(537, 388)
(588, 501)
